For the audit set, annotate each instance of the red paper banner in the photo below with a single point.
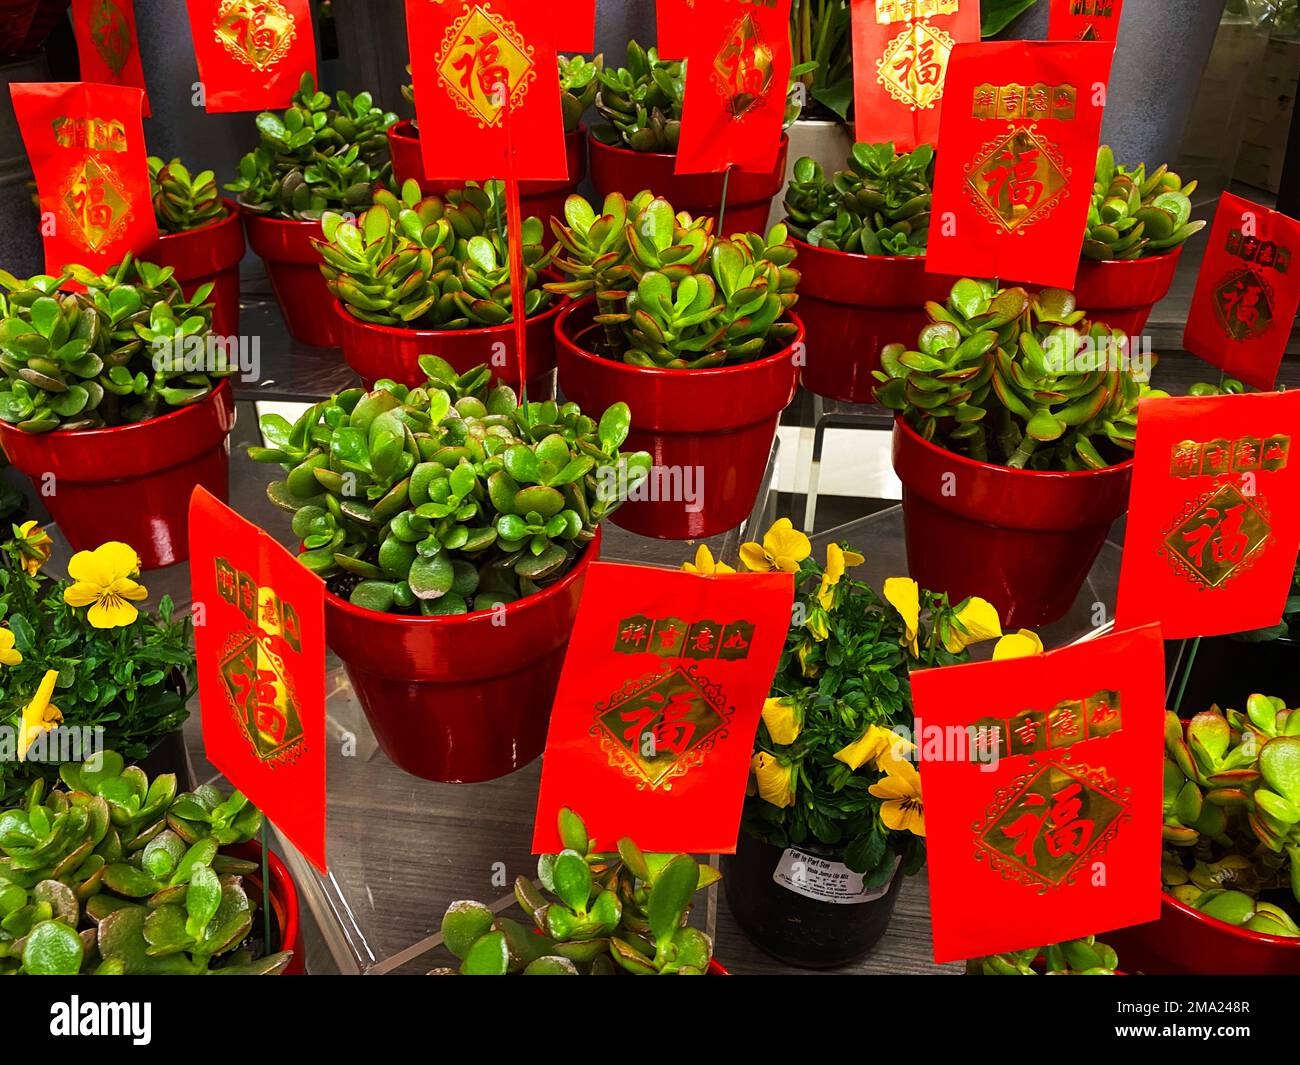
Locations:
(1042, 783)
(107, 43)
(1214, 514)
(86, 146)
(1013, 181)
(486, 81)
(1084, 20)
(260, 644)
(1247, 291)
(737, 76)
(252, 54)
(654, 720)
(901, 51)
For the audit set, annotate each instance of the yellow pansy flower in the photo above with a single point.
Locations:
(866, 748)
(1020, 644)
(775, 781)
(783, 548)
(705, 564)
(837, 561)
(817, 624)
(9, 654)
(102, 581)
(808, 669)
(782, 720)
(901, 790)
(34, 545)
(40, 715)
(979, 619)
(904, 595)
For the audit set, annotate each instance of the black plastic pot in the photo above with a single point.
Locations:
(1226, 671)
(794, 927)
(168, 755)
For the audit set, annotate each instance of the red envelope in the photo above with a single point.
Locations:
(252, 54)
(1042, 781)
(107, 43)
(737, 75)
(1013, 179)
(1084, 20)
(901, 50)
(653, 726)
(1214, 514)
(1247, 291)
(260, 644)
(86, 146)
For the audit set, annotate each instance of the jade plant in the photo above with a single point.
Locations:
(431, 262)
(1075, 957)
(1232, 814)
(105, 356)
(450, 497)
(1021, 380)
(670, 294)
(595, 914)
(183, 201)
(320, 154)
(114, 874)
(878, 205)
(1134, 215)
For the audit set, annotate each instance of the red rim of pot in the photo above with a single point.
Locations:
(292, 238)
(198, 235)
(1263, 939)
(284, 899)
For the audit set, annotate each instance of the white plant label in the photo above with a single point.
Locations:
(825, 880)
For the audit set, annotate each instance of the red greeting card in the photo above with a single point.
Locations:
(1084, 20)
(901, 51)
(1247, 291)
(654, 720)
(485, 78)
(1020, 126)
(259, 635)
(86, 146)
(737, 75)
(1214, 514)
(107, 44)
(1042, 780)
(252, 54)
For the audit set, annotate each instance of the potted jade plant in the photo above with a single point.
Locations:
(114, 874)
(321, 154)
(1014, 444)
(696, 335)
(861, 237)
(636, 146)
(541, 198)
(82, 664)
(113, 402)
(453, 528)
(1231, 864)
(200, 237)
(431, 276)
(595, 914)
(833, 786)
(1075, 957)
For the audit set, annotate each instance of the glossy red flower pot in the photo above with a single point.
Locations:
(209, 253)
(284, 901)
(540, 198)
(462, 698)
(293, 264)
(852, 306)
(376, 351)
(710, 430)
(1123, 292)
(1022, 539)
(131, 483)
(749, 195)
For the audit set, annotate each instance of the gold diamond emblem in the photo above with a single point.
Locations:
(96, 203)
(485, 65)
(1016, 180)
(256, 32)
(913, 65)
(1218, 538)
(743, 68)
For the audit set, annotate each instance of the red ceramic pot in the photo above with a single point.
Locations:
(284, 901)
(131, 483)
(749, 195)
(209, 253)
(710, 430)
(540, 198)
(463, 698)
(852, 306)
(1186, 941)
(1122, 292)
(376, 351)
(294, 264)
(1022, 539)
